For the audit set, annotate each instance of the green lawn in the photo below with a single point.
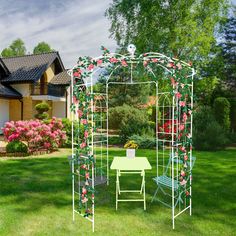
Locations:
(35, 199)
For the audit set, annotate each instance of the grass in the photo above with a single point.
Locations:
(35, 199)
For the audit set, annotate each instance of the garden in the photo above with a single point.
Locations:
(150, 145)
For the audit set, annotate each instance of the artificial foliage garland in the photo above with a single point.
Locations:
(179, 78)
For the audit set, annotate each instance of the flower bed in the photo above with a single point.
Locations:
(38, 135)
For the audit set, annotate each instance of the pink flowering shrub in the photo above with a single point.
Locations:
(36, 133)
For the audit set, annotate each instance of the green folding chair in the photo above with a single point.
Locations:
(165, 182)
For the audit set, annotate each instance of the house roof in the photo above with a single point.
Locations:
(7, 72)
(8, 92)
(29, 68)
(61, 79)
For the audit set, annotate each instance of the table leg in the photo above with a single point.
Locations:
(117, 188)
(119, 174)
(144, 193)
(142, 173)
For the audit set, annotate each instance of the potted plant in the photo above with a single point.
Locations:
(130, 148)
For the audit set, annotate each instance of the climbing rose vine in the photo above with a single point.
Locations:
(180, 79)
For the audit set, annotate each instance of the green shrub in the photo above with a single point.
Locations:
(152, 127)
(16, 146)
(222, 112)
(128, 120)
(115, 140)
(67, 127)
(207, 133)
(233, 113)
(232, 137)
(144, 141)
(43, 116)
(42, 109)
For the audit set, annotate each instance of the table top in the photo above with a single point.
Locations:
(124, 163)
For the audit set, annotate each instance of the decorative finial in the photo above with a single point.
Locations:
(131, 49)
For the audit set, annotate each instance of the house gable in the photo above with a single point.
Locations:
(4, 72)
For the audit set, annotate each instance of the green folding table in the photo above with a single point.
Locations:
(124, 165)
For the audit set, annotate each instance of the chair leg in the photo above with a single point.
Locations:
(155, 193)
(179, 199)
(162, 190)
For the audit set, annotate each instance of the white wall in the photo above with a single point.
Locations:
(4, 112)
(24, 89)
(59, 109)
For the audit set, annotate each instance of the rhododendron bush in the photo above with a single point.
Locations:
(37, 134)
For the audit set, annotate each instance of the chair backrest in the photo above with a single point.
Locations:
(177, 160)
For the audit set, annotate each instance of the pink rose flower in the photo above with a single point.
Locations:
(113, 60)
(178, 95)
(182, 173)
(183, 182)
(170, 64)
(87, 175)
(154, 60)
(179, 66)
(145, 63)
(86, 134)
(80, 113)
(99, 62)
(84, 121)
(84, 190)
(75, 100)
(181, 127)
(182, 103)
(185, 117)
(124, 63)
(173, 81)
(82, 145)
(84, 200)
(185, 157)
(83, 166)
(90, 67)
(76, 74)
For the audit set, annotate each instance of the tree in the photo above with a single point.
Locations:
(119, 94)
(184, 28)
(7, 52)
(228, 52)
(222, 61)
(17, 48)
(42, 47)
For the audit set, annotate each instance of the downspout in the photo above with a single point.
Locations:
(21, 101)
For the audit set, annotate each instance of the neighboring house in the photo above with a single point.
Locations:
(28, 80)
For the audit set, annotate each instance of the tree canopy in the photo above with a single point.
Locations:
(228, 52)
(17, 48)
(184, 28)
(42, 47)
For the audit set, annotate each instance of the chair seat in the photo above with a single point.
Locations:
(166, 181)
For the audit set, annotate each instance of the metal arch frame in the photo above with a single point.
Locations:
(88, 83)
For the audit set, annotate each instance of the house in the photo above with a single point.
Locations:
(28, 80)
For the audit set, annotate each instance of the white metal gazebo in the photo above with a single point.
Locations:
(90, 116)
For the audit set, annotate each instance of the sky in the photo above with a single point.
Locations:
(74, 28)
